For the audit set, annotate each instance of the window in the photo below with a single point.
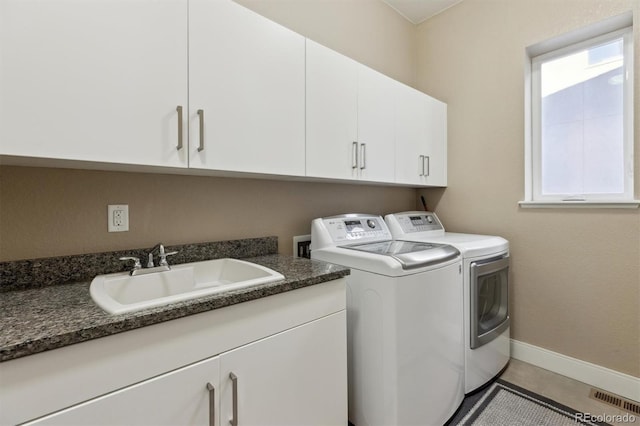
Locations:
(580, 124)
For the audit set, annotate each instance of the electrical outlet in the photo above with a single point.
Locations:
(118, 217)
(302, 246)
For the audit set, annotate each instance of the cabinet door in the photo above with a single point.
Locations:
(421, 139)
(436, 153)
(93, 80)
(246, 75)
(411, 136)
(297, 377)
(180, 397)
(332, 114)
(376, 118)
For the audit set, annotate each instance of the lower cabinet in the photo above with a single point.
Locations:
(179, 397)
(294, 377)
(278, 360)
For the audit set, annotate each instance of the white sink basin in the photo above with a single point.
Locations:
(120, 292)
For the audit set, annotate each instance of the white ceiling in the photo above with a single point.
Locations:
(418, 11)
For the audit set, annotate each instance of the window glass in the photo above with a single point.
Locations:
(582, 122)
(579, 118)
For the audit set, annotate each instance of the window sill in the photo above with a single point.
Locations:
(632, 204)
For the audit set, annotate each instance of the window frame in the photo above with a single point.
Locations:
(536, 55)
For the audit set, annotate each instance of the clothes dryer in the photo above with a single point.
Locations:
(486, 291)
(404, 321)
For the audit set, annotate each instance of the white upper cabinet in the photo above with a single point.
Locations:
(376, 122)
(436, 153)
(411, 135)
(421, 139)
(96, 80)
(246, 91)
(332, 114)
(208, 85)
(350, 118)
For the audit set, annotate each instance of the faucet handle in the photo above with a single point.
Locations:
(136, 264)
(163, 258)
(150, 260)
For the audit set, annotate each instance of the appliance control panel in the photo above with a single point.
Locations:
(356, 228)
(418, 222)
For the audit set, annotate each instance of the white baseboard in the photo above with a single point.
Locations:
(600, 377)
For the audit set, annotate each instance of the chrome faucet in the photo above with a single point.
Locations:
(161, 253)
(163, 265)
(160, 249)
(136, 266)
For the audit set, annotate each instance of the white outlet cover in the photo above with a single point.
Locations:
(118, 217)
(296, 240)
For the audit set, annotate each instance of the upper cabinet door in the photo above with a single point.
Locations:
(332, 114)
(376, 119)
(96, 80)
(411, 135)
(421, 139)
(246, 91)
(436, 161)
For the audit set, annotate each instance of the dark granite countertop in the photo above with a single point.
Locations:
(35, 320)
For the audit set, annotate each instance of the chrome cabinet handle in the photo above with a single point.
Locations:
(422, 164)
(234, 418)
(363, 152)
(212, 404)
(428, 164)
(179, 109)
(201, 117)
(354, 155)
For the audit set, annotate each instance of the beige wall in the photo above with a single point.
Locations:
(49, 212)
(575, 273)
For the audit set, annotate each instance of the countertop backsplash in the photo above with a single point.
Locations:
(34, 273)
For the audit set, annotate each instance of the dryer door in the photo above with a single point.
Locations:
(489, 300)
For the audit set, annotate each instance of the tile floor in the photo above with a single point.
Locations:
(562, 389)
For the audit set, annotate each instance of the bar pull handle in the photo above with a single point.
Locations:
(354, 155)
(428, 164)
(201, 119)
(363, 153)
(212, 404)
(234, 382)
(179, 109)
(422, 164)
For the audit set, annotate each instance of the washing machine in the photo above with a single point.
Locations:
(404, 321)
(486, 291)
